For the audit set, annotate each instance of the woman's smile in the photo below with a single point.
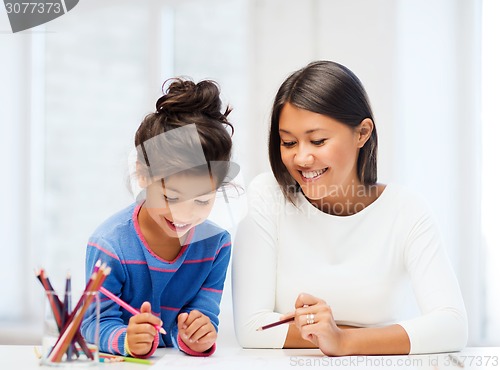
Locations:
(312, 175)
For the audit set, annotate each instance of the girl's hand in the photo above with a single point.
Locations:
(141, 331)
(314, 319)
(196, 330)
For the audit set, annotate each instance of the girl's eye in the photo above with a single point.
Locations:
(318, 142)
(202, 202)
(171, 200)
(287, 144)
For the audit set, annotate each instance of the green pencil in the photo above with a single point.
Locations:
(138, 360)
(114, 358)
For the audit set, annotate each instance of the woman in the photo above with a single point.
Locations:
(362, 263)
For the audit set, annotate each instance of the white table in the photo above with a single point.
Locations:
(235, 358)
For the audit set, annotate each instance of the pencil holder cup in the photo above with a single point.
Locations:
(65, 318)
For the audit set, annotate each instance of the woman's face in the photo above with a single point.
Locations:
(319, 152)
(180, 202)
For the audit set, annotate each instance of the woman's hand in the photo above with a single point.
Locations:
(141, 331)
(314, 319)
(196, 330)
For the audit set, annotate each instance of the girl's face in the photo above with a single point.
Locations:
(319, 152)
(180, 202)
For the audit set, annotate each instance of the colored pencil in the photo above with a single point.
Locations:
(74, 321)
(272, 325)
(67, 308)
(57, 310)
(115, 358)
(126, 306)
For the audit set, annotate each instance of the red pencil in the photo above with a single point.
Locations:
(272, 325)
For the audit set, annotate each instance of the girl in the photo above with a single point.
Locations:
(369, 255)
(166, 259)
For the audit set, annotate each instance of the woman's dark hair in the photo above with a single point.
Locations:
(186, 103)
(330, 89)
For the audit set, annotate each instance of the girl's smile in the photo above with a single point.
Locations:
(177, 227)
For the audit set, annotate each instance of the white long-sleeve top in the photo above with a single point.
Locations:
(383, 265)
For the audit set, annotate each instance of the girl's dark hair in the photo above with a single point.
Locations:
(185, 103)
(330, 89)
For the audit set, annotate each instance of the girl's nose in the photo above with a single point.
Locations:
(182, 213)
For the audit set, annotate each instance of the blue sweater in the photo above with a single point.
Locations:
(194, 280)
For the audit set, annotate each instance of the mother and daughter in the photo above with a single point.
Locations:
(354, 265)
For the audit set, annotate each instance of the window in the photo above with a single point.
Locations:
(87, 80)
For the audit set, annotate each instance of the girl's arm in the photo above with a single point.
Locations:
(112, 327)
(207, 300)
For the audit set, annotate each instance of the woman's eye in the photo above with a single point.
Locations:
(288, 144)
(318, 142)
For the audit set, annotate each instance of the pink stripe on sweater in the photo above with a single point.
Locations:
(169, 308)
(115, 337)
(133, 262)
(224, 246)
(200, 260)
(104, 250)
(124, 262)
(184, 348)
(162, 270)
(212, 290)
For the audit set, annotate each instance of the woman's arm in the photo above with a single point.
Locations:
(442, 326)
(254, 269)
(294, 339)
(314, 323)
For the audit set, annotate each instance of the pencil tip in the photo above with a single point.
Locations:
(259, 329)
(163, 331)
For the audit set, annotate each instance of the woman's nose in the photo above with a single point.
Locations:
(303, 157)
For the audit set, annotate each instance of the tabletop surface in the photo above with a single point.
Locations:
(236, 358)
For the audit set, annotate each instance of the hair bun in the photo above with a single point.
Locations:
(184, 96)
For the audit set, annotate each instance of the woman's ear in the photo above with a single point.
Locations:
(364, 131)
